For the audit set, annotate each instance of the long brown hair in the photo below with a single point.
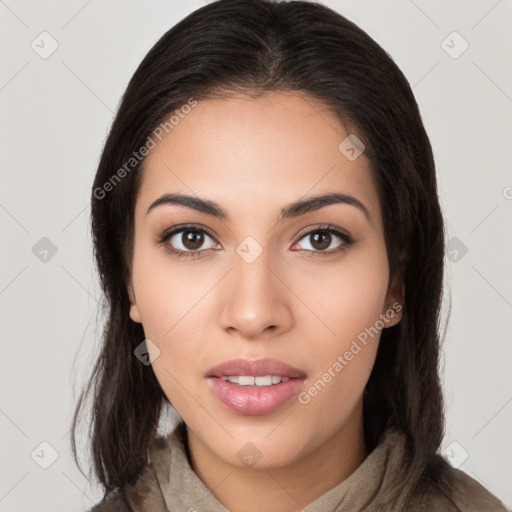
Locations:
(256, 46)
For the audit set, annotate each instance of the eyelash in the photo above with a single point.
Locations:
(170, 232)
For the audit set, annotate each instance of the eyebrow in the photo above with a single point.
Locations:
(290, 211)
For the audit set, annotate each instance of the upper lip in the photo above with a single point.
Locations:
(254, 368)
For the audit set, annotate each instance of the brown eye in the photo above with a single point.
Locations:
(320, 240)
(189, 240)
(325, 241)
(192, 240)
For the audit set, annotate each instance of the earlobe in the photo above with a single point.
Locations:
(134, 309)
(134, 313)
(394, 303)
(393, 314)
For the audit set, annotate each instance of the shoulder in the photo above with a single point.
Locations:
(114, 502)
(456, 491)
(142, 496)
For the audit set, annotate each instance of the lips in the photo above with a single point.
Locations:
(255, 400)
(255, 368)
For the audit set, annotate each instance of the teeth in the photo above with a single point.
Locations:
(263, 381)
(248, 380)
(245, 381)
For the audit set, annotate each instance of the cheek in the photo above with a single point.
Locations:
(166, 300)
(346, 298)
(166, 290)
(346, 325)
(171, 301)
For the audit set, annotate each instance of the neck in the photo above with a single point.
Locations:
(285, 489)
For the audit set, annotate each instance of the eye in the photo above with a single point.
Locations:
(323, 240)
(187, 241)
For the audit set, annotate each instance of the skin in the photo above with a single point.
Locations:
(253, 157)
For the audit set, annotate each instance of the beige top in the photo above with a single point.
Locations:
(169, 484)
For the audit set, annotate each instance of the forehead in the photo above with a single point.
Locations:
(245, 153)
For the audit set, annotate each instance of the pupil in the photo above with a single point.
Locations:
(325, 240)
(192, 240)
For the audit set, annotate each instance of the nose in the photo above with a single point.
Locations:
(256, 299)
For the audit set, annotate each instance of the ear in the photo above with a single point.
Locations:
(394, 301)
(134, 309)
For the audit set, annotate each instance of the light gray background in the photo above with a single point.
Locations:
(55, 113)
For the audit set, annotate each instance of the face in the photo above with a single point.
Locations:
(247, 276)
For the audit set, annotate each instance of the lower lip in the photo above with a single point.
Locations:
(253, 400)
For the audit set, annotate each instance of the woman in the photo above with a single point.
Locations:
(270, 245)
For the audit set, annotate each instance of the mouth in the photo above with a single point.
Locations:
(255, 387)
(255, 368)
(260, 381)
